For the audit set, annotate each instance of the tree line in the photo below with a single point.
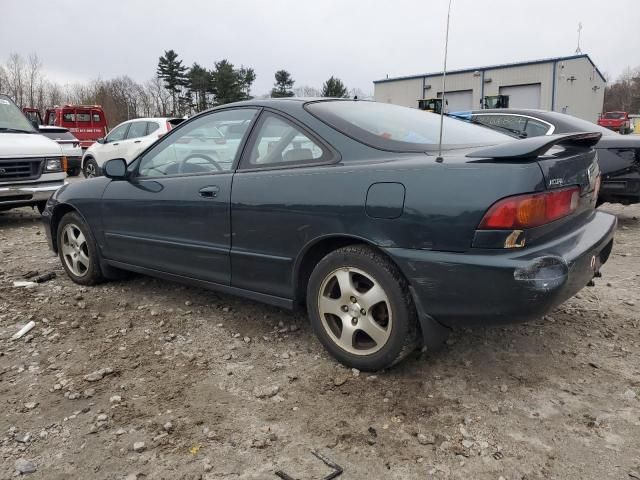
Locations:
(624, 94)
(174, 90)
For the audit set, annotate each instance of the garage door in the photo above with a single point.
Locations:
(523, 96)
(458, 101)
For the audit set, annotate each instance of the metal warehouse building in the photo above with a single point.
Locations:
(572, 85)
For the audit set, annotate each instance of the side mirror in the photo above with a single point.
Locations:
(115, 169)
(101, 140)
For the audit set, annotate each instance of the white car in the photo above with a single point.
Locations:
(70, 146)
(32, 167)
(126, 141)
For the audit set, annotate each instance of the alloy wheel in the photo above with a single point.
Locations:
(355, 311)
(90, 170)
(75, 250)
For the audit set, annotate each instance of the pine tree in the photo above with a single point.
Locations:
(246, 77)
(283, 86)
(334, 88)
(226, 83)
(200, 85)
(174, 74)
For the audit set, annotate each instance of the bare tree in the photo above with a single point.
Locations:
(34, 78)
(15, 77)
(3, 80)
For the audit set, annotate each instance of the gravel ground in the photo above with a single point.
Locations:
(147, 379)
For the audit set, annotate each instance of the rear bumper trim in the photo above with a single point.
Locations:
(499, 287)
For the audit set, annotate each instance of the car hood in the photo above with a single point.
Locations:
(619, 141)
(27, 145)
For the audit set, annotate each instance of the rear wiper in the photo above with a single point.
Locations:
(14, 130)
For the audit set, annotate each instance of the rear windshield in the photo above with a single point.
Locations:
(613, 115)
(58, 135)
(395, 128)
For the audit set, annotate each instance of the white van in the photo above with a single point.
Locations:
(32, 166)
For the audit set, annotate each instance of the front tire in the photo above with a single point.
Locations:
(78, 251)
(361, 309)
(91, 168)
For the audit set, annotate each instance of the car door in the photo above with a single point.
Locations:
(111, 148)
(172, 214)
(130, 145)
(281, 166)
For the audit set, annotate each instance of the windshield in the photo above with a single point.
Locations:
(11, 118)
(613, 115)
(395, 128)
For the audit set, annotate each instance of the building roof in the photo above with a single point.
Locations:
(494, 67)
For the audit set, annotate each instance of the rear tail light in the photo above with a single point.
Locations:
(169, 126)
(531, 210)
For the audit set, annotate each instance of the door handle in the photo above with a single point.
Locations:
(115, 144)
(209, 192)
(137, 141)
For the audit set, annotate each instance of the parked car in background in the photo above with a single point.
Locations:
(618, 156)
(86, 122)
(70, 146)
(346, 206)
(125, 141)
(616, 121)
(32, 166)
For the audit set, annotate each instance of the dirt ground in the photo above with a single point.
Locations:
(144, 379)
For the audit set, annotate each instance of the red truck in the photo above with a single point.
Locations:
(86, 122)
(618, 121)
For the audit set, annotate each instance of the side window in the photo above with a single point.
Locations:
(96, 118)
(152, 127)
(83, 117)
(137, 130)
(117, 133)
(198, 147)
(68, 117)
(536, 128)
(279, 142)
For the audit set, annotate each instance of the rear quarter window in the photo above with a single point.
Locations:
(394, 128)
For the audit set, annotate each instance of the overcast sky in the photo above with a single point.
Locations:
(357, 40)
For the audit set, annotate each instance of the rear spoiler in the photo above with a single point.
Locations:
(529, 148)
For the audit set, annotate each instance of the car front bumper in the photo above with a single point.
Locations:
(27, 194)
(497, 286)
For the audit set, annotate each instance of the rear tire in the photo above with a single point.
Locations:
(78, 251)
(361, 309)
(91, 168)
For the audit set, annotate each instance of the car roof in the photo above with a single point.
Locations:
(284, 104)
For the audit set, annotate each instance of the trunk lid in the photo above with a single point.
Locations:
(565, 159)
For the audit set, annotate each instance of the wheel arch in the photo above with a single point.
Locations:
(60, 211)
(317, 249)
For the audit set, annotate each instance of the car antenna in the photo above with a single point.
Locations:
(439, 158)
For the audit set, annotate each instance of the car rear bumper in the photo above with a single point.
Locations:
(620, 189)
(27, 194)
(497, 287)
